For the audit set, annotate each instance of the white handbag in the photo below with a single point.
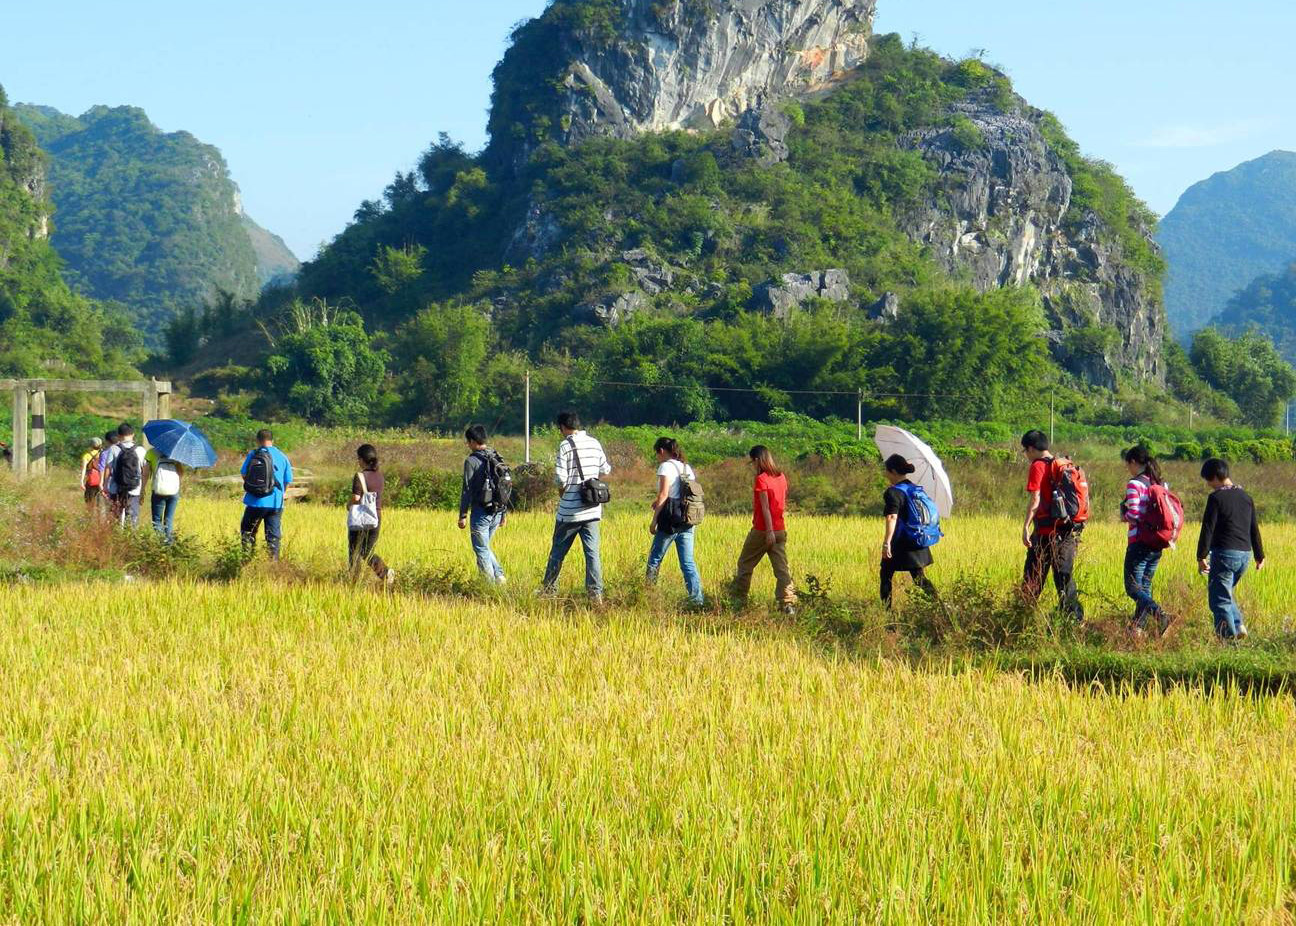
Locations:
(363, 515)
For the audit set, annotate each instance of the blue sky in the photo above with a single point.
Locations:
(316, 104)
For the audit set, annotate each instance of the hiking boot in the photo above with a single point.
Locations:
(1165, 622)
(1241, 634)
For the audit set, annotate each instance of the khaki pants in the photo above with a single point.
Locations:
(753, 551)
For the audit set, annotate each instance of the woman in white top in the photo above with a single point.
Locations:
(665, 526)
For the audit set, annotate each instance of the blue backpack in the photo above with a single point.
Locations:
(920, 521)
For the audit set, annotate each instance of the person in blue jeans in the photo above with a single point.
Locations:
(671, 469)
(475, 514)
(1230, 537)
(580, 459)
(267, 474)
(1142, 555)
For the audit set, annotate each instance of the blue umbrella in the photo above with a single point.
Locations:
(182, 442)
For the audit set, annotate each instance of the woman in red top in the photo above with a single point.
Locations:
(768, 536)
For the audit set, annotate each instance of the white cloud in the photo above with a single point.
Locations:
(1203, 136)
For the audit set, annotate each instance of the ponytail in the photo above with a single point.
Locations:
(1141, 456)
(672, 448)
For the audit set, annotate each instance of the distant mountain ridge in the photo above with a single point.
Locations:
(1224, 233)
(149, 219)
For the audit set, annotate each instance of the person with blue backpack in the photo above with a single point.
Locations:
(912, 529)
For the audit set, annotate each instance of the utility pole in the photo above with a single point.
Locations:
(1052, 441)
(859, 416)
(526, 416)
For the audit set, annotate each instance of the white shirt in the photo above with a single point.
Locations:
(674, 471)
(116, 451)
(593, 463)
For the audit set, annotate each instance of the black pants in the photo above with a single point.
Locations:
(360, 550)
(254, 518)
(1057, 553)
(889, 569)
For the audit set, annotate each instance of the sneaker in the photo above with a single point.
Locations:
(1165, 622)
(546, 592)
(501, 579)
(390, 578)
(789, 609)
(1137, 632)
(1241, 633)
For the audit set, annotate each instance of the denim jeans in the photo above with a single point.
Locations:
(683, 543)
(565, 534)
(164, 507)
(1141, 563)
(128, 510)
(253, 518)
(1226, 569)
(482, 527)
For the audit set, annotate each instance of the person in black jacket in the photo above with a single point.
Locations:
(481, 521)
(1230, 535)
(899, 552)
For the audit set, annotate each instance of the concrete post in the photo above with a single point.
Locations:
(19, 447)
(150, 414)
(164, 405)
(37, 462)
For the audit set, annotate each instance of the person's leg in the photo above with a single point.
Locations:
(370, 544)
(886, 582)
(1065, 548)
(355, 540)
(1219, 594)
(273, 531)
(684, 546)
(923, 583)
(1238, 563)
(1140, 564)
(784, 587)
(661, 543)
(589, 535)
(1036, 569)
(133, 510)
(480, 529)
(753, 551)
(168, 517)
(563, 536)
(496, 522)
(248, 528)
(157, 507)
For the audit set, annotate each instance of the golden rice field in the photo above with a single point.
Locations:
(301, 750)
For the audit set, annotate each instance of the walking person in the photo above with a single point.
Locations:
(126, 476)
(1050, 545)
(482, 510)
(91, 472)
(768, 536)
(364, 516)
(578, 469)
(667, 527)
(105, 502)
(1141, 556)
(902, 550)
(164, 497)
(267, 474)
(1230, 538)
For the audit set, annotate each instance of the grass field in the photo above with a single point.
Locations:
(288, 747)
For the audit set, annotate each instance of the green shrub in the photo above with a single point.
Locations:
(425, 488)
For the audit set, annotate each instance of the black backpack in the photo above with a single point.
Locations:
(494, 484)
(259, 480)
(126, 470)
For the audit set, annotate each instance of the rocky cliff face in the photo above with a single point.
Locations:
(652, 65)
(1001, 217)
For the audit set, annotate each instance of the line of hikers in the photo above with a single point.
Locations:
(115, 470)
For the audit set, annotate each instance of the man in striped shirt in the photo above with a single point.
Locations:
(580, 457)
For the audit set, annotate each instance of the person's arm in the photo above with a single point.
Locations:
(770, 537)
(1207, 533)
(465, 494)
(1032, 506)
(288, 473)
(889, 534)
(663, 493)
(561, 466)
(85, 468)
(356, 495)
(1257, 545)
(1132, 507)
(605, 467)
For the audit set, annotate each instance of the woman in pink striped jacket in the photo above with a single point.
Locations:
(1141, 558)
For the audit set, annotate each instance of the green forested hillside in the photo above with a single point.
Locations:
(647, 261)
(148, 219)
(1225, 232)
(1268, 305)
(45, 328)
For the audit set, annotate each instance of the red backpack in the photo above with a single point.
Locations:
(1162, 518)
(1070, 501)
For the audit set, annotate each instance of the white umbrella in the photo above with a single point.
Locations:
(929, 471)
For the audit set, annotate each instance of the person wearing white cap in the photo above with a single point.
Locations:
(91, 472)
